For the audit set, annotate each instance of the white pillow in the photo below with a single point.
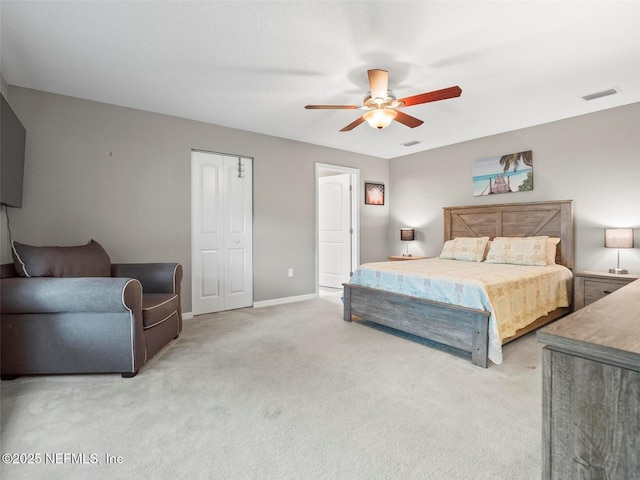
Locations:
(519, 250)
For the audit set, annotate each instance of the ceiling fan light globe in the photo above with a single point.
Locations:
(380, 118)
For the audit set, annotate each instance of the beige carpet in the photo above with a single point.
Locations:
(285, 392)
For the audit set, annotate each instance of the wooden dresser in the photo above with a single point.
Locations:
(591, 390)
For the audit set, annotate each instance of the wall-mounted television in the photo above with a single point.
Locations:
(12, 144)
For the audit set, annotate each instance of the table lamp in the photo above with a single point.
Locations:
(407, 235)
(618, 238)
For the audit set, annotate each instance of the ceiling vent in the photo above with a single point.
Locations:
(411, 143)
(604, 93)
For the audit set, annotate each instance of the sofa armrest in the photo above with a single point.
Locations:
(55, 295)
(154, 277)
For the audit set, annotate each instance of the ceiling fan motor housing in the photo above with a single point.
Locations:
(380, 103)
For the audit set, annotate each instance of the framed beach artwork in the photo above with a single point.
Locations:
(373, 193)
(508, 173)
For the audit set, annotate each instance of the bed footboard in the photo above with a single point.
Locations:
(463, 328)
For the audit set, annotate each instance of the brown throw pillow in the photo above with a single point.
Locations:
(90, 260)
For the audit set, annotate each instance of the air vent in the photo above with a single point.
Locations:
(604, 93)
(411, 143)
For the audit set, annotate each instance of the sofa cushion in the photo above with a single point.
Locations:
(157, 307)
(90, 260)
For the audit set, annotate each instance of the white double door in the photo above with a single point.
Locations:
(222, 232)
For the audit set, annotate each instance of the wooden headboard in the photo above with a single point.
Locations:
(554, 219)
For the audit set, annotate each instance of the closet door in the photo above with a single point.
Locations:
(238, 233)
(222, 248)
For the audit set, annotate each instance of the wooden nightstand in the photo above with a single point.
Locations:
(591, 286)
(402, 258)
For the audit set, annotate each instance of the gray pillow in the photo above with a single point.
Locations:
(90, 260)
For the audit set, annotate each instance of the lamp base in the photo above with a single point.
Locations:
(618, 270)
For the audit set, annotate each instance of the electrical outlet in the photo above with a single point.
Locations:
(291, 272)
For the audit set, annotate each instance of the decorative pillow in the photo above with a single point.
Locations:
(552, 244)
(467, 249)
(518, 250)
(448, 250)
(90, 260)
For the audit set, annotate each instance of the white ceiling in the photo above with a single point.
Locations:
(255, 65)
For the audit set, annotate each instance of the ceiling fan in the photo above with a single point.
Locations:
(382, 106)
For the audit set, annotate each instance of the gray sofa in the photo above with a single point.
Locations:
(69, 310)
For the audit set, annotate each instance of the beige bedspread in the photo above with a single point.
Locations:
(515, 295)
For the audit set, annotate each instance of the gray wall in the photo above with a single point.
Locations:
(592, 159)
(122, 177)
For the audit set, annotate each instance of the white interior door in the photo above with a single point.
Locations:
(222, 245)
(207, 233)
(334, 230)
(238, 228)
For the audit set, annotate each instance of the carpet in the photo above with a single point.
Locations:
(283, 392)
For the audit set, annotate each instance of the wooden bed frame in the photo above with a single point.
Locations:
(462, 328)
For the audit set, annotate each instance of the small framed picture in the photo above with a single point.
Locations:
(373, 193)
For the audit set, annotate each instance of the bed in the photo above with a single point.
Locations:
(470, 330)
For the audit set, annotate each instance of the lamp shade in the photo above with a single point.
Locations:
(407, 234)
(618, 237)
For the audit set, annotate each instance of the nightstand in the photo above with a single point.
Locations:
(591, 286)
(402, 258)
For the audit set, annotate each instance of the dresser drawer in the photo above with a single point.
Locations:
(596, 289)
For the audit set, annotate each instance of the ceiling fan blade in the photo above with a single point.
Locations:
(379, 83)
(326, 107)
(353, 124)
(434, 96)
(408, 120)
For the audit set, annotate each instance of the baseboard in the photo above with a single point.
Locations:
(267, 303)
(282, 301)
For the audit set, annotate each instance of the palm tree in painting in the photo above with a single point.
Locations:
(513, 160)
